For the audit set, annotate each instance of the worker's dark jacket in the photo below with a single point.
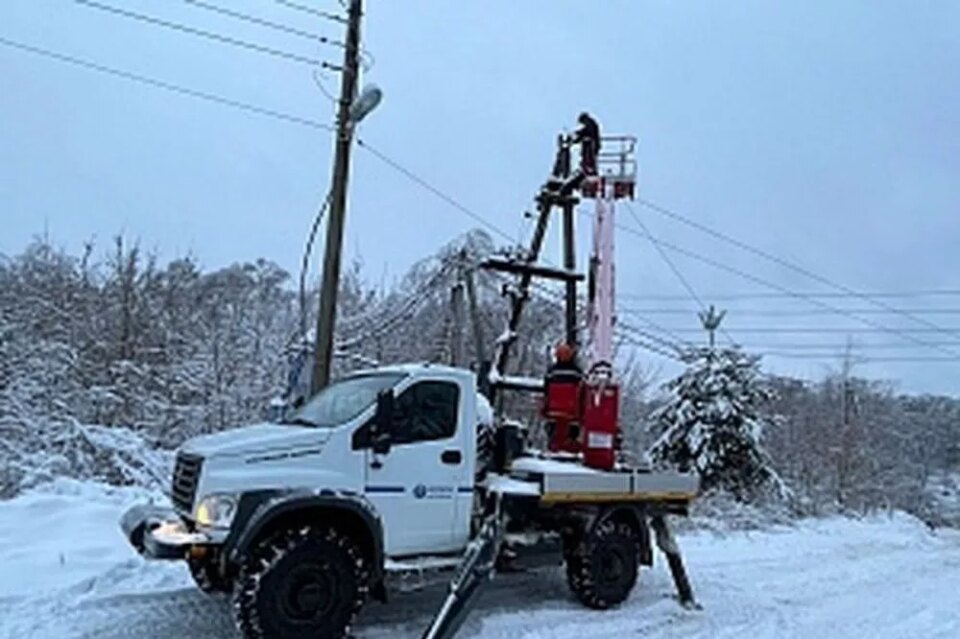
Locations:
(588, 135)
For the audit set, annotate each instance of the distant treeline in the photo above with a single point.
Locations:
(112, 337)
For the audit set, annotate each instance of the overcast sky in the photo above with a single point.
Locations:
(827, 133)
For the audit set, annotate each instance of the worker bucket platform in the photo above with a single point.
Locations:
(616, 169)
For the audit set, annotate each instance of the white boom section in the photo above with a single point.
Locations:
(602, 302)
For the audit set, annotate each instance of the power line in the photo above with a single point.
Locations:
(417, 298)
(367, 60)
(323, 89)
(757, 280)
(316, 12)
(656, 344)
(653, 348)
(833, 346)
(787, 264)
(210, 35)
(673, 267)
(666, 258)
(801, 312)
(839, 355)
(659, 327)
(276, 26)
(440, 194)
(305, 262)
(673, 347)
(558, 299)
(823, 331)
(167, 86)
(806, 294)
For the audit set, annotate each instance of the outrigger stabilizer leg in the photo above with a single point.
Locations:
(476, 570)
(668, 545)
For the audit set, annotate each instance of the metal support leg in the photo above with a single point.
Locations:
(668, 545)
(475, 571)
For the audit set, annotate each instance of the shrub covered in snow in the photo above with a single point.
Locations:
(712, 423)
(111, 455)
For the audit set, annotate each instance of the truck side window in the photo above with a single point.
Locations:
(426, 411)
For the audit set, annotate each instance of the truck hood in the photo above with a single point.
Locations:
(257, 439)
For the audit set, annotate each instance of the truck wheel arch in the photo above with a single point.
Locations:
(349, 513)
(636, 518)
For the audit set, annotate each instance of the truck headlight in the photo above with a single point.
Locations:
(216, 511)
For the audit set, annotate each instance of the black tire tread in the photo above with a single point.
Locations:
(265, 558)
(580, 566)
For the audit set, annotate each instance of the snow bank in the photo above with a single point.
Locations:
(65, 534)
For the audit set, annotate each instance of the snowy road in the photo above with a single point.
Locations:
(66, 573)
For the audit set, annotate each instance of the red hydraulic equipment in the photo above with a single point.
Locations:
(562, 407)
(601, 424)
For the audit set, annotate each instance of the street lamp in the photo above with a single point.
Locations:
(366, 102)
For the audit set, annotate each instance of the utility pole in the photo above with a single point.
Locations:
(473, 306)
(457, 314)
(845, 449)
(711, 320)
(568, 203)
(326, 319)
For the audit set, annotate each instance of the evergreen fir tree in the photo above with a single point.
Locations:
(712, 424)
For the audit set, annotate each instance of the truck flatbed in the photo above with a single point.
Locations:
(559, 480)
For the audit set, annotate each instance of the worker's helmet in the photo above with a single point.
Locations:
(564, 352)
(584, 117)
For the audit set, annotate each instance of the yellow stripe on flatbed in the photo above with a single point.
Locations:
(566, 498)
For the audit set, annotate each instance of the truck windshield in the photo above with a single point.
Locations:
(342, 401)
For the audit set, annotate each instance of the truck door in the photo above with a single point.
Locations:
(414, 486)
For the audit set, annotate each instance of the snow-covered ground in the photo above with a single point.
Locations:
(66, 571)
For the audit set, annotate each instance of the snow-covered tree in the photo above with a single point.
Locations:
(712, 423)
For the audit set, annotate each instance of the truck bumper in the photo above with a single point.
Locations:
(159, 533)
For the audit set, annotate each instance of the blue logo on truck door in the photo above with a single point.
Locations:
(421, 491)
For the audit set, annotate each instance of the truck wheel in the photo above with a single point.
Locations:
(208, 577)
(308, 582)
(602, 566)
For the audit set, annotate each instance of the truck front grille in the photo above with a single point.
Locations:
(186, 476)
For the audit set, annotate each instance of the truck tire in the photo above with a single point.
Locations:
(308, 582)
(208, 576)
(602, 565)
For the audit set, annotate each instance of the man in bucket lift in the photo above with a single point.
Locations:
(588, 137)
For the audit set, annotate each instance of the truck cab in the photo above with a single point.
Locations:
(386, 456)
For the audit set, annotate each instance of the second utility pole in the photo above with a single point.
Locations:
(326, 319)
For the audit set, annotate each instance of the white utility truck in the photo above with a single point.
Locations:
(303, 520)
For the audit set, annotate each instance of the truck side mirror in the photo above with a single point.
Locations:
(382, 423)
